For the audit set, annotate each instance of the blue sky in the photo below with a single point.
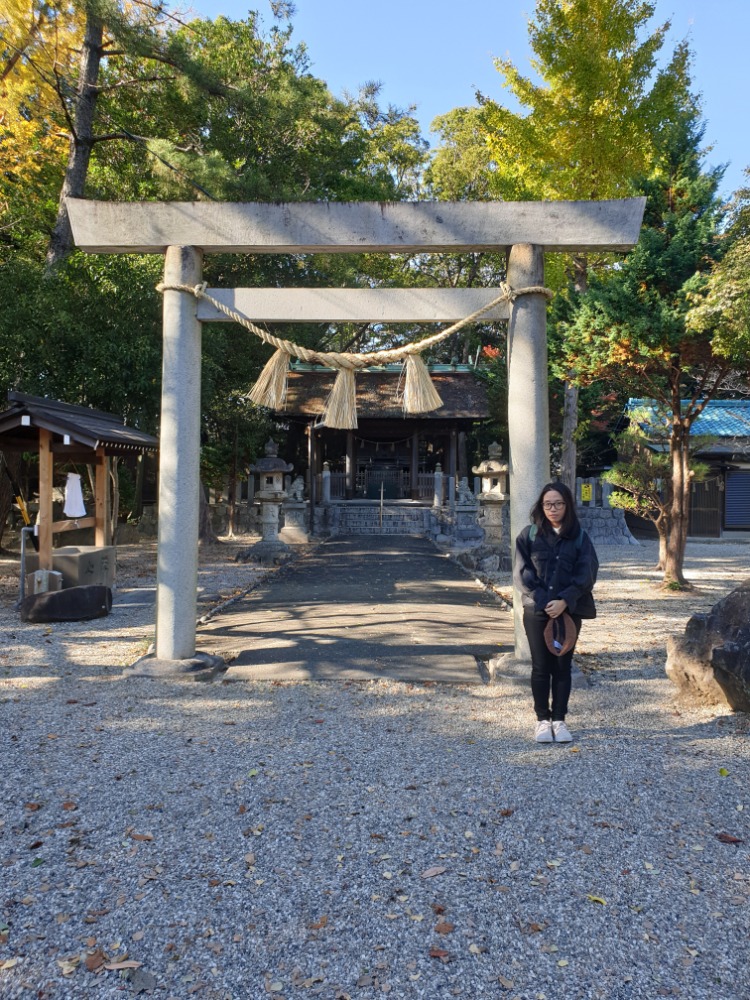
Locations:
(436, 53)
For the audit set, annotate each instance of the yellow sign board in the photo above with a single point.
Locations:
(586, 492)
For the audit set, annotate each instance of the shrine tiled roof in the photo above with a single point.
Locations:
(380, 390)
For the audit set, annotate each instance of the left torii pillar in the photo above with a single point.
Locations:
(179, 476)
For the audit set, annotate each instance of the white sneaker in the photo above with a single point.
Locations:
(561, 733)
(544, 731)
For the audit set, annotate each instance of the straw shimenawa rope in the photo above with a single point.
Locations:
(420, 395)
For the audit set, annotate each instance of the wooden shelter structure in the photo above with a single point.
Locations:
(61, 432)
(388, 448)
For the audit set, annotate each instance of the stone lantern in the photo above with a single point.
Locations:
(270, 495)
(493, 496)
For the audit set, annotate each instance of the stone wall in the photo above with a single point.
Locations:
(606, 526)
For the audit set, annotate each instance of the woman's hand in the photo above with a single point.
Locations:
(555, 608)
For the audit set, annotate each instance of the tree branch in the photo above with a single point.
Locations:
(134, 83)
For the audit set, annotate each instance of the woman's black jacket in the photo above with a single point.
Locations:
(551, 567)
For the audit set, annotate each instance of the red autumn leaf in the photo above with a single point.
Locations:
(507, 812)
(444, 927)
(439, 953)
(727, 838)
(141, 836)
(69, 806)
(437, 909)
(33, 806)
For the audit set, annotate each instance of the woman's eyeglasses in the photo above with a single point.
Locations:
(554, 506)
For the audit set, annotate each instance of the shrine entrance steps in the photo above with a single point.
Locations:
(367, 517)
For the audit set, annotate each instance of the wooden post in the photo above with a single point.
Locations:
(452, 449)
(46, 469)
(350, 466)
(415, 465)
(101, 526)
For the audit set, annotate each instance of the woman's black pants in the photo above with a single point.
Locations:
(550, 674)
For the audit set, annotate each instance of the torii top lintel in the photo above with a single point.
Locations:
(355, 227)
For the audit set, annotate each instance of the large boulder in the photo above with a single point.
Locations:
(711, 661)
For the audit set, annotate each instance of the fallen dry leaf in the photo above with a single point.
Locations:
(432, 872)
(319, 924)
(444, 927)
(127, 964)
(727, 838)
(439, 953)
(141, 836)
(95, 961)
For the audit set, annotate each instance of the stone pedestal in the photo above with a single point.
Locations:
(491, 519)
(295, 530)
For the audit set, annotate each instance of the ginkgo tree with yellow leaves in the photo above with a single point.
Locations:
(587, 123)
(39, 44)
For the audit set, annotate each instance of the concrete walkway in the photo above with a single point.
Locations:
(363, 608)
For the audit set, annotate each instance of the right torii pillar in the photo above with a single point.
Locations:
(528, 402)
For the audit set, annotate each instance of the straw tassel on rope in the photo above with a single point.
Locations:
(420, 394)
(341, 406)
(270, 389)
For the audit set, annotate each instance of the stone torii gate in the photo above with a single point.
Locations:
(184, 232)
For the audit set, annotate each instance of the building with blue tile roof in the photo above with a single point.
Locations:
(721, 503)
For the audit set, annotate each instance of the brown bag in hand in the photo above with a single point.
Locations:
(560, 634)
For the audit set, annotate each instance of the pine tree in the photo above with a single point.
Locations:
(633, 322)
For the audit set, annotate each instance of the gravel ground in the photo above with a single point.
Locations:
(270, 840)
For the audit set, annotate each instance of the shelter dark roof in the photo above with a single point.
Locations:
(87, 427)
(379, 394)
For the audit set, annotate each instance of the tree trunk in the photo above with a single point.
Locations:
(662, 526)
(139, 473)
(81, 140)
(680, 509)
(569, 460)
(232, 490)
(206, 533)
(114, 475)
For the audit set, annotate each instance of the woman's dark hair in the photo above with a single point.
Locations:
(570, 525)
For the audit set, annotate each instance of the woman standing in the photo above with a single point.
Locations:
(555, 568)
